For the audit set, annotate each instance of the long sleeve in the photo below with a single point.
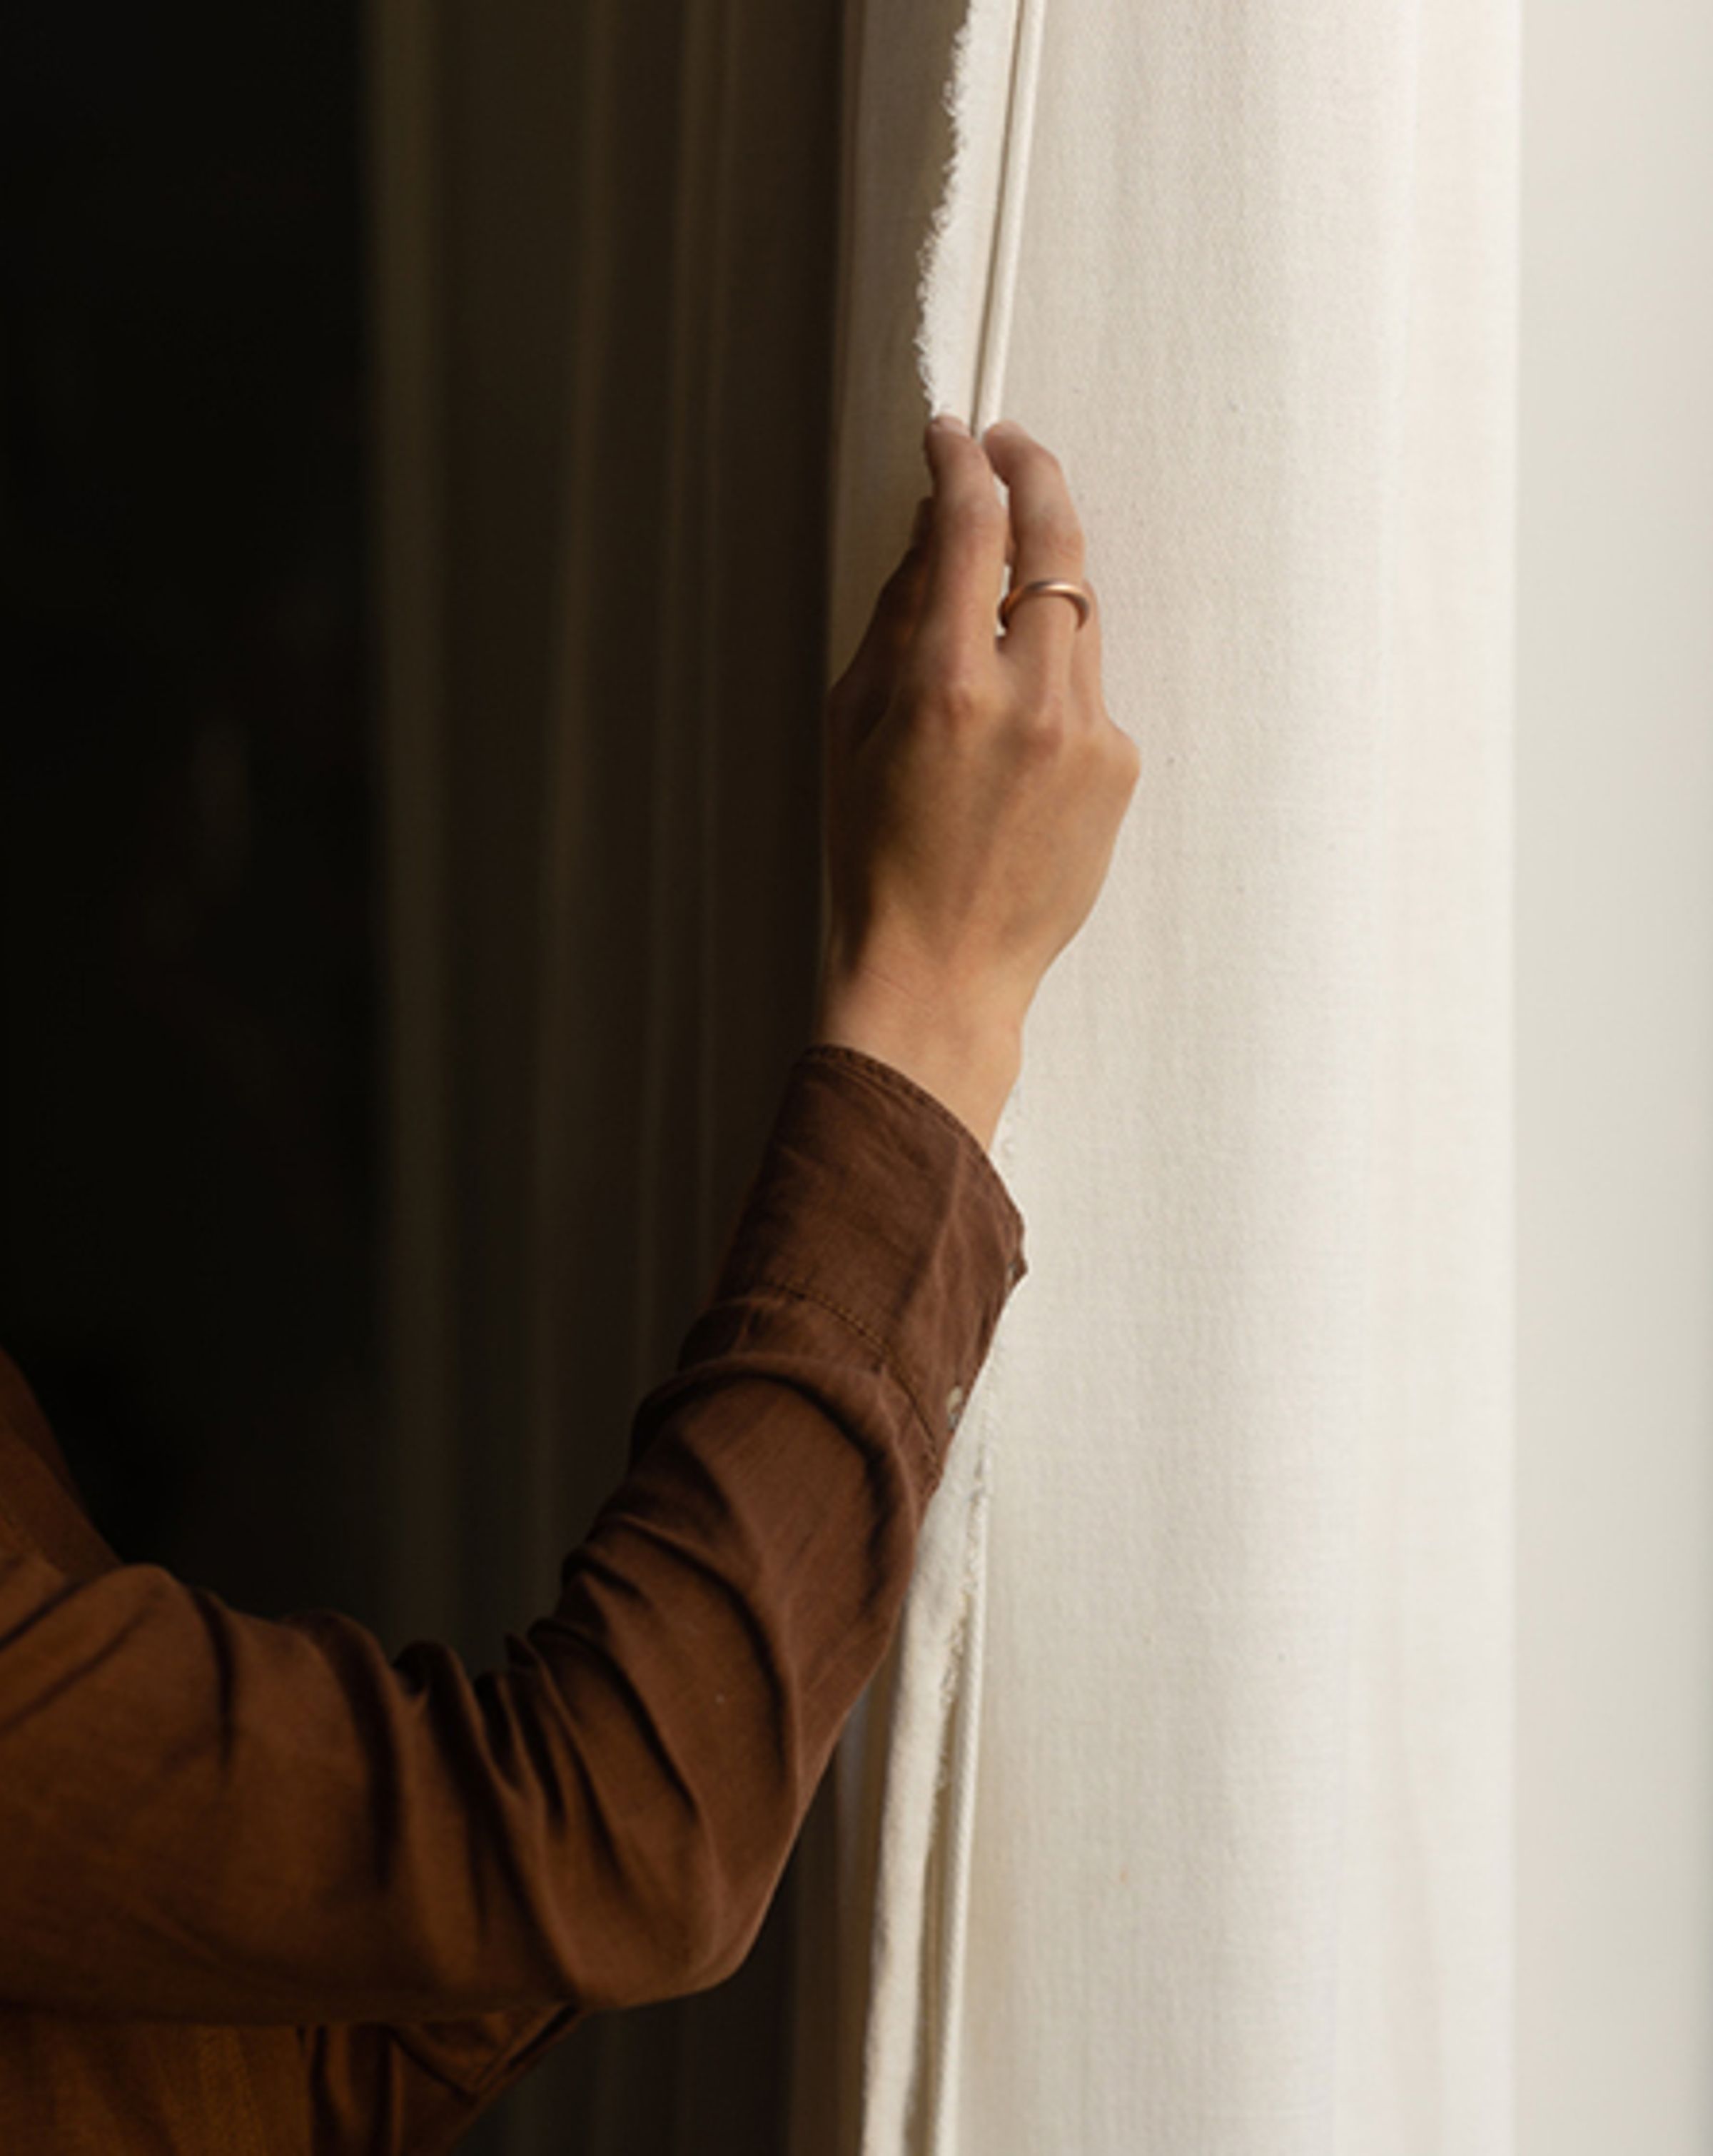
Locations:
(213, 1818)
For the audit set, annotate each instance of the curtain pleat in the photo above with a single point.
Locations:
(1178, 1817)
(1181, 1819)
(615, 367)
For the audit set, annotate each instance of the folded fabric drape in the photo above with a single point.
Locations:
(1179, 1818)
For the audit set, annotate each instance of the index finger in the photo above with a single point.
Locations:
(967, 546)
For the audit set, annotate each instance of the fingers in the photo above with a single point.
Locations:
(942, 599)
(1085, 647)
(965, 551)
(1048, 543)
(900, 598)
(893, 621)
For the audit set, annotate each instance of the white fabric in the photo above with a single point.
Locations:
(1179, 1820)
(1614, 1090)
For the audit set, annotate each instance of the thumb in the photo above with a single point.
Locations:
(900, 599)
(901, 595)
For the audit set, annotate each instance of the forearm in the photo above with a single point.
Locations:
(208, 1816)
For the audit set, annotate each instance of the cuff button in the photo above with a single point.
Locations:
(954, 1406)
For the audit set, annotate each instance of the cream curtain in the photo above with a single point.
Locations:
(1183, 1820)
(1180, 1818)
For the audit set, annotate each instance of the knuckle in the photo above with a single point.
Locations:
(957, 694)
(982, 512)
(1044, 726)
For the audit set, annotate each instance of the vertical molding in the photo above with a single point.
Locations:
(407, 495)
(724, 89)
(567, 829)
(678, 713)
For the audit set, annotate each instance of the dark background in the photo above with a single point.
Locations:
(534, 307)
(189, 1201)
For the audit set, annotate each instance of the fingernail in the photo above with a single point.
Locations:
(948, 423)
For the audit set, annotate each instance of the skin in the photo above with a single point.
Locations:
(975, 782)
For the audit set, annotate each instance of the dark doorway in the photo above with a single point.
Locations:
(189, 1191)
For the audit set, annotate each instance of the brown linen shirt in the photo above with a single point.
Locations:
(264, 1892)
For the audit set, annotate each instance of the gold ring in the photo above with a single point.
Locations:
(1014, 599)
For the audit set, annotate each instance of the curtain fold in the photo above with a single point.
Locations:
(1178, 1819)
(1181, 1818)
(608, 291)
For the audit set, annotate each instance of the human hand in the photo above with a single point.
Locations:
(974, 781)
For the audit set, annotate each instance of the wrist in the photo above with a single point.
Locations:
(968, 1060)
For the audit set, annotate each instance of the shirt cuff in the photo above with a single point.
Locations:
(877, 1202)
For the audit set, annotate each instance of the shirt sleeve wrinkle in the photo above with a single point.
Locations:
(214, 1817)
